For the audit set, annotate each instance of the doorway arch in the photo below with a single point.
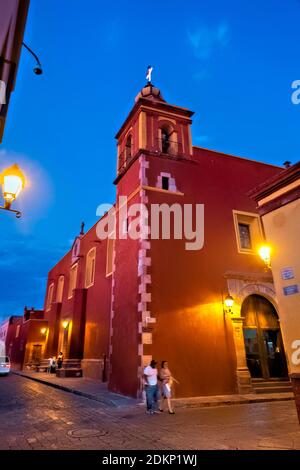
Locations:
(263, 341)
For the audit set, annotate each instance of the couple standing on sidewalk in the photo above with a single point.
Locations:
(152, 389)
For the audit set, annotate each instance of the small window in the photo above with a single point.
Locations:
(90, 268)
(165, 182)
(18, 331)
(248, 230)
(49, 296)
(245, 237)
(60, 288)
(73, 280)
(128, 148)
(110, 256)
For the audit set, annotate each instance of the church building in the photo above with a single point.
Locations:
(114, 304)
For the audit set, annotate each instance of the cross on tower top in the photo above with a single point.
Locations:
(149, 73)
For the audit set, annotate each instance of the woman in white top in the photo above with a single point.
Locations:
(167, 382)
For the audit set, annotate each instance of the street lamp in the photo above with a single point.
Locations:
(38, 68)
(13, 181)
(265, 254)
(228, 302)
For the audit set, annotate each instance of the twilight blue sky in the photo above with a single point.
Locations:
(232, 62)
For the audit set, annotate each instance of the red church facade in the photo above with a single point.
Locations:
(114, 304)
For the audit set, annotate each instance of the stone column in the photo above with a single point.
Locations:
(242, 371)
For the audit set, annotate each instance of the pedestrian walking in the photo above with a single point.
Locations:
(60, 360)
(167, 380)
(53, 365)
(49, 365)
(151, 387)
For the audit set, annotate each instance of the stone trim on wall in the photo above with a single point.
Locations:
(172, 182)
(144, 306)
(110, 352)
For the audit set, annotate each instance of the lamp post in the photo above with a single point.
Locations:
(13, 181)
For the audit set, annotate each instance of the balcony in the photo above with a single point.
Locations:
(168, 147)
(162, 147)
(125, 158)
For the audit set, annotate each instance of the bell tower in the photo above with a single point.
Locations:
(154, 150)
(155, 127)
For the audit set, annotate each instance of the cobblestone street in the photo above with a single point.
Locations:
(36, 416)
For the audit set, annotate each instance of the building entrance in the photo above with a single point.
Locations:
(263, 341)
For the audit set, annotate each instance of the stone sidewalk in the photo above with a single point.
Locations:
(83, 386)
(97, 390)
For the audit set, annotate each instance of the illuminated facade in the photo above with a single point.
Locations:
(112, 305)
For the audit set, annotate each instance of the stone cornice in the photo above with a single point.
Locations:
(250, 277)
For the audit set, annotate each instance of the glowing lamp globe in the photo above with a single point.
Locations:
(265, 254)
(229, 301)
(13, 181)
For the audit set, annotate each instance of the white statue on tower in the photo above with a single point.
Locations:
(149, 72)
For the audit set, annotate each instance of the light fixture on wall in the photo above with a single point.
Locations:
(228, 303)
(13, 181)
(65, 324)
(38, 68)
(265, 254)
(43, 331)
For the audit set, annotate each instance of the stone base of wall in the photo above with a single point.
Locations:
(93, 368)
(62, 373)
(244, 381)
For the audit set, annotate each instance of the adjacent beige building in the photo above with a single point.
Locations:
(278, 201)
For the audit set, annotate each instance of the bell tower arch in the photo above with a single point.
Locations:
(155, 127)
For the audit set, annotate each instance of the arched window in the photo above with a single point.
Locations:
(60, 288)
(50, 296)
(90, 268)
(128, 148)
(165, 141)
(72, 280)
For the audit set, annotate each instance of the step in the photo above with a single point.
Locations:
(272, 384)
(282, 389)
(69, 372)
(71, 364)
(271, 379)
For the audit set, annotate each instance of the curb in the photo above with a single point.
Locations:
(241, 401)
(105, 401)
(177, 402)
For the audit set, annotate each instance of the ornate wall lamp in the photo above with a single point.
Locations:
(228, 303)
(265, 254)
(43, 331)
(13, 181)
(65, 324)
